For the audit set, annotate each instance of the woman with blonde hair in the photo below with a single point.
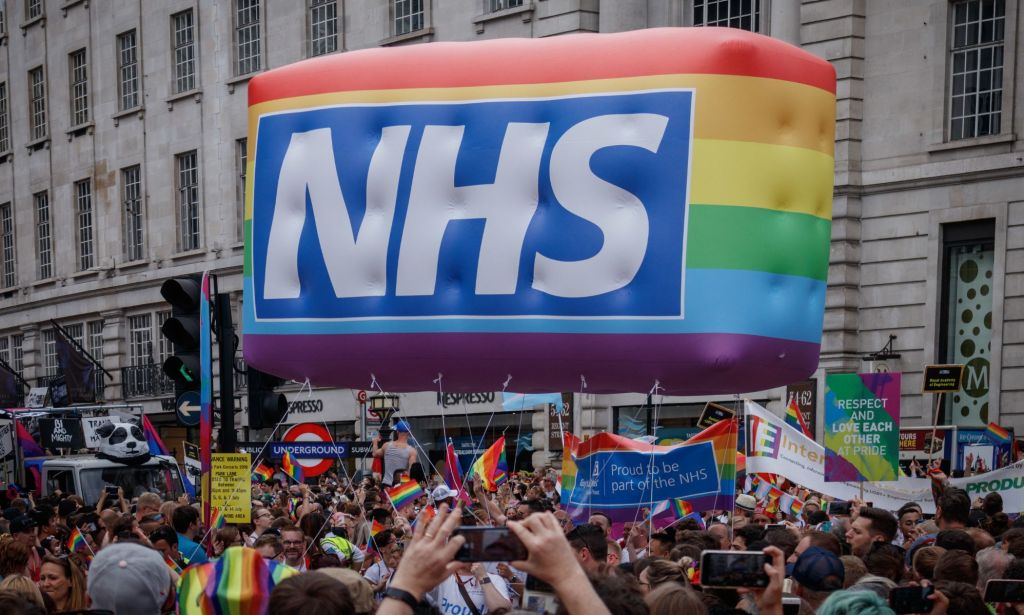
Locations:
(671, 598)
(62, 579)
(659, 572)
(22, 585)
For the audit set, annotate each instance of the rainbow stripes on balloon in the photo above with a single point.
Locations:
(292, 468)
(404, 494)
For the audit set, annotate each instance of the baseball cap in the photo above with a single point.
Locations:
(403, 427)
(129, 579)
(746, 502)
(819, 570)
(22, 523)
(442, 492)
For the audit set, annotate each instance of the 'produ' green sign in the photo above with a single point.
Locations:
(862, 427)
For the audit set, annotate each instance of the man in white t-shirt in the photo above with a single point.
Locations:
(488, 592)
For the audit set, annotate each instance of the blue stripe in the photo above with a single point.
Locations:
(717, 301)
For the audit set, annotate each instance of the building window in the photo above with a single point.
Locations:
(44, 237)
(140, 340)
(184, 52)
(501, 5)
(37, 103)
(5, 135)
(241, 160)
(742, 14)
(164, 346)
(968, 260)
(3, 20)
(188, 200)
(49, 352)
(323, 27)
(976, 83)
(33, 9)
(128, 71)
(131, 196)
(83, 209)
(18, 353)
(408, 16)
(7, 246)
(79, 87)
(247, 36)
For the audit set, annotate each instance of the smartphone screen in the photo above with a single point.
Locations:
(539, 597)
(911, 599)
(733, 569)
(790, 605)
(838, 508)
(489, 544)
(1004, 590)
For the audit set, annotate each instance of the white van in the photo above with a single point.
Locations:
(88, 476)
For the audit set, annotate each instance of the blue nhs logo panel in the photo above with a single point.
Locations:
(569, 207)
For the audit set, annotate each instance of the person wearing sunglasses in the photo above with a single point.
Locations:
(261, 520)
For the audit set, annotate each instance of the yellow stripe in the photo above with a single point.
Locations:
(728, 107)
(773, 177)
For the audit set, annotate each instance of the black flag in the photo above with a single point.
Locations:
(78, 371)
(10, 390)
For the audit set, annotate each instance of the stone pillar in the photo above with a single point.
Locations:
(553, 17)
(115, 351)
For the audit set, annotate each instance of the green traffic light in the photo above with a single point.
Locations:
(186, 374)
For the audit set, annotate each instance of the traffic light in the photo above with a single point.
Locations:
(182, 329)
(265, 406)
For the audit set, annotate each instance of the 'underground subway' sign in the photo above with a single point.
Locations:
(621, 208)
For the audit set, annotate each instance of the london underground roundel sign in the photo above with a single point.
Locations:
(310, 432)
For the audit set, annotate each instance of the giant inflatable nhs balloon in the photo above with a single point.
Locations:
(633, 207)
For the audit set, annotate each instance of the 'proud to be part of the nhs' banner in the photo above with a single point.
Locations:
(615, 477)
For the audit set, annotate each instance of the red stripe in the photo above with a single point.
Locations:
(578, 57)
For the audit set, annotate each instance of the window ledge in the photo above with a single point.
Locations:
(120, 115)
(71, 3)
(84, 275)
(526, 11)
(422, 33)
(240, 79)
(79, 130)
(180, 256)
(195, 94)
(1007, 137)
(131, 266)
(25, 25)
(40, 143)
(41, 284)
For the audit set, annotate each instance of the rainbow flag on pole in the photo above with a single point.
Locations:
(491, 467)
(76, 541)
(723, 435)
(262, 473)
(216, 518)
(404, 494)
(998, 433)
(795, 419)
(292, 468)
(173, 565)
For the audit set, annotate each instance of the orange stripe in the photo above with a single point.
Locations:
(581, 57)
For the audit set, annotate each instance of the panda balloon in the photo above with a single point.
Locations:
(123, 442)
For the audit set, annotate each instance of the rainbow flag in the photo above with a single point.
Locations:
(998, 433)
(723, 435)
(795, 419)
(796, 508)
(491, 467)
(404, 494)
(262, 473)
(293, 505)
(681, 508)
(173, 565)
(376, 528)
(156, 445)
(292, 468)
(238, 583)
(216, 518)
(567, 480)
(76, 541)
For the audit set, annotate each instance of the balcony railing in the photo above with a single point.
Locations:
(145, 381)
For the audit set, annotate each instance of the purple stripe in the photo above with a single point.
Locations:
(683, 364)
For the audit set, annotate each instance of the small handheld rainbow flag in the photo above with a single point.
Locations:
(376, 528)
(216, 518)
(491, 466)
(681, 508)
(76, 541)
(998, 433)
(173, 565)
(262, 473)
(292, 468)
(404, 494)
(796, 508)
(794, 418)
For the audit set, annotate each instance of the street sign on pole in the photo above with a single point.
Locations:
(188, 408)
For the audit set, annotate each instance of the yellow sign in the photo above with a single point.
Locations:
(229, 486)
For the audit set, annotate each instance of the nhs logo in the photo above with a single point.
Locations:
(561, 208)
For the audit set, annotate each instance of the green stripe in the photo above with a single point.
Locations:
(247, 234)
(757, 239)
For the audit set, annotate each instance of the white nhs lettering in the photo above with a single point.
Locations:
(357, 264)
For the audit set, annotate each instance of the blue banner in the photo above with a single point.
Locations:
(319, 450)
(634, 478)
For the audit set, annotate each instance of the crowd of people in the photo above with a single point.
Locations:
(340, 546)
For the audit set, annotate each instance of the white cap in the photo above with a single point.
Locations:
(442, 492)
